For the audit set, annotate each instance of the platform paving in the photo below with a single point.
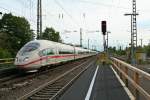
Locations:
(106, 86)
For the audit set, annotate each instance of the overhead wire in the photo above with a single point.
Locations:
(14, 12)
(102, 4)
(67, 12)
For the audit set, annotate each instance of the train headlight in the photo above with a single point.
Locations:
(16, 59)
(26, 59)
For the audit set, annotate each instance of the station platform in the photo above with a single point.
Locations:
(98, 82)
(107, 86)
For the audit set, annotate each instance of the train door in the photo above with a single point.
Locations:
(50, 56)
(43, 57)
(56, 52)
(74, 53)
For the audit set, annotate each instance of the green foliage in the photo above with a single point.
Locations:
(4, 54)
(51, 34)
(14, 33)
(112, 50)
(147, 49)
(140, 49)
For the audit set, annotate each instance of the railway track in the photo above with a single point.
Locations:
(13, 75)
(54, 88)
(11, 79)
(19, 86)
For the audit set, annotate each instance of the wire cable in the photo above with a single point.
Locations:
(66, 12)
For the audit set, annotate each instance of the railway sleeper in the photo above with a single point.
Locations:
(43, 95)
(46, 93)
(39, 98)
(59, 82)
(64, 78)
(54, 86)
(51, 89)
(62, 82)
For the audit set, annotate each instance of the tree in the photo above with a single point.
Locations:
(14, 33)
(147, 50)
(51, 34)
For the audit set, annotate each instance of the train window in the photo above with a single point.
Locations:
(29, 47)
(46, 52)
(50, 52)
(43, 53)
(81, 52)
(65, 52)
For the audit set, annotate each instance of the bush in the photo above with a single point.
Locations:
(4, 54)
(148, 51)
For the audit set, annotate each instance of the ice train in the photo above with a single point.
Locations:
(37, 54)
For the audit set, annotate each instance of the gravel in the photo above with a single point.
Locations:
(14, 90)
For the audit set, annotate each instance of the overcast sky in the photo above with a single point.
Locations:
(86, 14)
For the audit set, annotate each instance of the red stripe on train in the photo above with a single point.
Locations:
(43, 58)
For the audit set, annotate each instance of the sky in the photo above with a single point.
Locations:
(86, 14)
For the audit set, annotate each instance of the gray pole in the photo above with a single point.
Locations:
(133, 39)
(39, 18)
(132, 45)
(104, 41)
(107, 41)
(141, 42)
(38, 14)
(88, 44)
(80, 37)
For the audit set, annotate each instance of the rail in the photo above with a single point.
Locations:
(7, 61)
(54, 88)
(126, 71)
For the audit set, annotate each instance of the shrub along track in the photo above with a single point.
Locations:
(15, 88)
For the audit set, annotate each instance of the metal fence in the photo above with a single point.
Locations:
(8, 62)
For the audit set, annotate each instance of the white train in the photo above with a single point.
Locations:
(40, 53)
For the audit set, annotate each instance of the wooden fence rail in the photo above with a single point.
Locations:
(123, 69)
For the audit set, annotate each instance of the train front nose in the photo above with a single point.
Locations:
(26, 55)
(25, 64)
(21, 61)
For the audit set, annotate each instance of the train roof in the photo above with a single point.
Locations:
(59, 45)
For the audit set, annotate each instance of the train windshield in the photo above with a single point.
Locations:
(29, 47)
